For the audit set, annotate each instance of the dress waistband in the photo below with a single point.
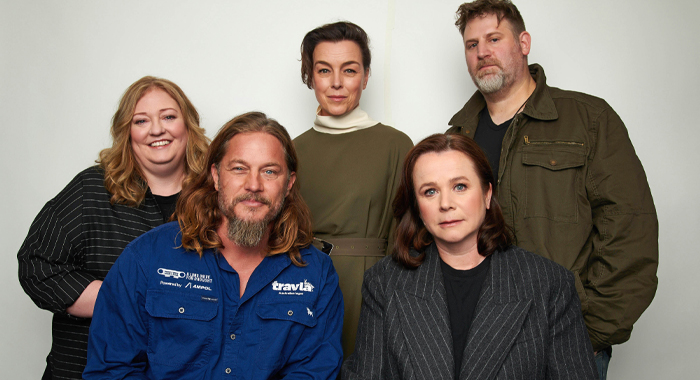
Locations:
(354, 246)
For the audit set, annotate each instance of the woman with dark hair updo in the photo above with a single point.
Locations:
(456, 300)
(349, 164)
(157, 145)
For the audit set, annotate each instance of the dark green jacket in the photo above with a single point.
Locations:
(574, 191)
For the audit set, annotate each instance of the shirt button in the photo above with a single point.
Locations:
(290, 313)
(233, 336)
(181, 310)
(228, 370)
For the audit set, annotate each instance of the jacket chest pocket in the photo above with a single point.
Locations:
(553, 173)
(282, 325)
(180, 331)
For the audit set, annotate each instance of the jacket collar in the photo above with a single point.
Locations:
(499, 316)
(540, 106)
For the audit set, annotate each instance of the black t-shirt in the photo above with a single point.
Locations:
(167, 205)
(462, 288)
(489, 137)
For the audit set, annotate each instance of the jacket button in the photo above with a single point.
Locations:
(233, 336)
(228, 370)
(290, 313)
(181, 310)
(553, 162)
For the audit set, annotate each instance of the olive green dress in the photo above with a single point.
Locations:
(349, 181)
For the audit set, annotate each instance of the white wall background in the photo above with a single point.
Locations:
(65, 64)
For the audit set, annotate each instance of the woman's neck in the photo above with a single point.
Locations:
(165, 184)
(461, 258)
(354, 120)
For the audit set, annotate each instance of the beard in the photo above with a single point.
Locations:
(249, 233)
(490, 83)
(506, 72)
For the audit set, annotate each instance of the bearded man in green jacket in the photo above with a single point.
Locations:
(569, 181)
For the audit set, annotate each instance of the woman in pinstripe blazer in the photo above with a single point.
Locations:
(456, 300)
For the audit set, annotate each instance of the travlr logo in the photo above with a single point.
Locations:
(300, 287)
(171, 273)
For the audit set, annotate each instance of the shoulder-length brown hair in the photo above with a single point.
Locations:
(124, 178)
(411, 232)
(198, 206)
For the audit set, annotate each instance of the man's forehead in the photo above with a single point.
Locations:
(255, 147)
(487, 23)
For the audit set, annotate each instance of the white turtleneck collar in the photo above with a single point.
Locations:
(352, 121)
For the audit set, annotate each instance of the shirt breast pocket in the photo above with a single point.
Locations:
(553, 173)
(281, 326)
(180, 331)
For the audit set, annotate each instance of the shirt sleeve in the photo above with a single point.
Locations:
(51, 257)
(570, 355)
(118, 338)
(319, 353)
(366, 361)
(622, 269)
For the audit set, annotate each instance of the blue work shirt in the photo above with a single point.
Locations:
(165, 313)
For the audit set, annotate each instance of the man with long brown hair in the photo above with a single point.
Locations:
(234, 286)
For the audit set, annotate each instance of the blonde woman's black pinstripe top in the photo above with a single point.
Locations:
(73, 241)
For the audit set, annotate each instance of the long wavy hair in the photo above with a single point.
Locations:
(411, 232)
(124, 178)
(198, 206)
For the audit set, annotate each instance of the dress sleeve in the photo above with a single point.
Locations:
(570, 355)
(118, 338)
(622, 269)
(51, 257)
(319, 354)
(366, 361)
(404, 146)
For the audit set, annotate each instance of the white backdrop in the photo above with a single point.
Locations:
(65, 64)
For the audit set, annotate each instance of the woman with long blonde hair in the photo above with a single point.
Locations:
(157, 145)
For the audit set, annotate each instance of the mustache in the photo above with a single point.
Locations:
(488, 62)
(252, 197)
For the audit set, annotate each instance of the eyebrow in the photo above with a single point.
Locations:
(452, 180)
(488, 35)
(161, 110)
(244, 162)
(342, 64)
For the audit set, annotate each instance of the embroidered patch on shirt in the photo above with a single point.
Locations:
(297, 289)
(171, 273)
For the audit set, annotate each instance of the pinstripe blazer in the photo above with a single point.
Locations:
(527, 324)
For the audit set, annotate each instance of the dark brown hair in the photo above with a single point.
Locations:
(411, 232)
(336, 32)
(124, 178)
(503, 9)
(198, 206)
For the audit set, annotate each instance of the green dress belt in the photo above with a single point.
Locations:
(352, 246)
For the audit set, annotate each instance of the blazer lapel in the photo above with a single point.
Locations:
(498, 320)
(422, 309)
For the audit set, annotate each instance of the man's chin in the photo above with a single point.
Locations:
(251, 219)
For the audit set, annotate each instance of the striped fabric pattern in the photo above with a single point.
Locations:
(528, 323)
(73, 241)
